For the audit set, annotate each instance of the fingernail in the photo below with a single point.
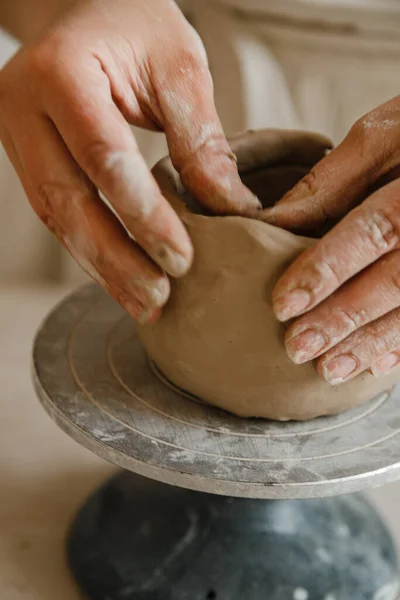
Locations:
(247, 204)
(171, 261)
(385, 364)
(157, 297)
(254, 209)
(257, 203)
(292, 304)
(233, 157)
(132, 307)
(245, 201)
(146, 317)
(340, 368)
(306, 345)
(155, 293)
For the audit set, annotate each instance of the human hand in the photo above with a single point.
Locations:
(65, 104)
(344, 292)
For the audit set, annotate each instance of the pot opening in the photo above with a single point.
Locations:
(268, 183)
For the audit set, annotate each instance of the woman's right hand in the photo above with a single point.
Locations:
(65, 104)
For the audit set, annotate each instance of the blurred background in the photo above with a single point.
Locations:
(308, 64)
(311, 64)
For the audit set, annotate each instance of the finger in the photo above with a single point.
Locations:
(361, 350)
(364, 235)
(342, 179)
(197, 143)
(271, 161)
(372, 294)
(73, 211)
(103, 145)
(386, 364)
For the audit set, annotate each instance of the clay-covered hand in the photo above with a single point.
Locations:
(344, 292)
(65, 104)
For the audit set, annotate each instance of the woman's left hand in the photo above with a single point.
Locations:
(344, 292)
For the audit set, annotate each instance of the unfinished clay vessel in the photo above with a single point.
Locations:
(218, 338)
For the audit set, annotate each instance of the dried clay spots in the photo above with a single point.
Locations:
(218, 338)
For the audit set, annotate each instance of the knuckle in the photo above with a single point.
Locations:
(366, 125)
(361, 127)
(373, 131)
(193, 63)
(210, 142)
(96, 158)
(381, 230)
(309, 183)
(383, 117)
(199, 48)
(52, 196)
(327, 272)
(365, 136)
(370, 341)
(374, 343)
(47, 58)
(41, 60)
(351, 318)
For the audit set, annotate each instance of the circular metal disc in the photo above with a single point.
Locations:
(93, 378)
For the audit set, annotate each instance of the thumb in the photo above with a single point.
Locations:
(335, 185)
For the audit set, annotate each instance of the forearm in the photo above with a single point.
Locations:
(26, 18)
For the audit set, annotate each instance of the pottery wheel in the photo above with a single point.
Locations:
(95, 381)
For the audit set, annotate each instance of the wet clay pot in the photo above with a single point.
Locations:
(218, 338)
